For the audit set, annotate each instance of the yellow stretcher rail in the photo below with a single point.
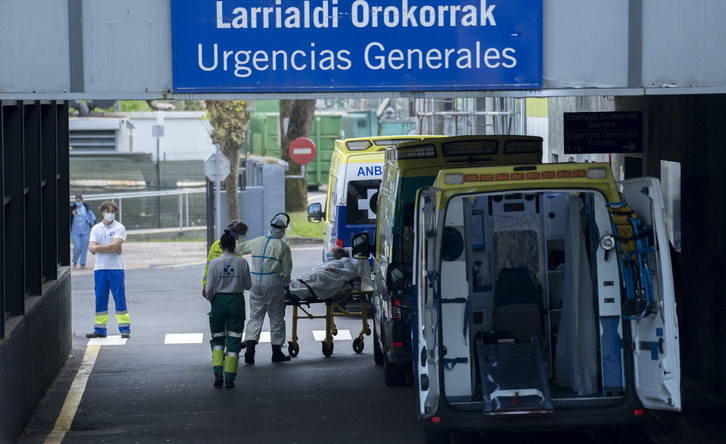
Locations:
(331, 330)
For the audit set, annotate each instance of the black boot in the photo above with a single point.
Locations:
(278, 355)
(218, 380)
(250, 353)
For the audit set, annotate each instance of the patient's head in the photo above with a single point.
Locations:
(339, 253)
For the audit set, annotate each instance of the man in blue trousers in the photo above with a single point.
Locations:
(106, 240)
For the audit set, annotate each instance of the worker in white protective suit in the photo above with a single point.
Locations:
(271, 266)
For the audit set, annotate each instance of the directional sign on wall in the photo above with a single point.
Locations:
(355, 45)
(604, 132)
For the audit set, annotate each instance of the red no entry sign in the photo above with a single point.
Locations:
(302, 151)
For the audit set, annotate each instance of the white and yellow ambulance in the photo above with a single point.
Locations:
(355, 176)
(543, 299)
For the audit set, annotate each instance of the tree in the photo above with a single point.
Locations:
(229, 120)
(301, 114)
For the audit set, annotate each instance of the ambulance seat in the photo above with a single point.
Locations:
(516, 308)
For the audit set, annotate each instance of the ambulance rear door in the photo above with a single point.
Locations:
(426, 306)
(655, 336)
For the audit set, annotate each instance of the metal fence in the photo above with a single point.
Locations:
(165, 194)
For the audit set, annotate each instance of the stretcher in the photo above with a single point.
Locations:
(352, 293)
(634, 248)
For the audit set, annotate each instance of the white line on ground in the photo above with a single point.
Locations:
(318, 247)
(68, 412)
(343, 335)
(264, 337)
(188, 264)
(108, 340)
(184, 338)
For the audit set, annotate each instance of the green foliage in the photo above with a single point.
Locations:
(302, 228)
(134, 105)
(229, 120)
(191, 105)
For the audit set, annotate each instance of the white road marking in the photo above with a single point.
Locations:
(318, 247)
(188, 264)
(184, 338)
(343, 335)
(108, 340)
(264, 337)
(73, 399)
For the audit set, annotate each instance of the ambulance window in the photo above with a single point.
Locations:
(360, 205)
(452, 244)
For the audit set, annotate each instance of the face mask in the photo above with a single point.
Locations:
(78, 204)
(109, 216)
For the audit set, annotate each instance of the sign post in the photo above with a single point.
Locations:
(619, 132)
(216, 168)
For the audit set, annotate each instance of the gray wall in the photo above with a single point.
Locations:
(35, 279)
(690, 130)
(122, 50)
(32, 356)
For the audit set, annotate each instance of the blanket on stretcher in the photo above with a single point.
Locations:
(331, 277)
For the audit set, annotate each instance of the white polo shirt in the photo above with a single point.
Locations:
(104, 235)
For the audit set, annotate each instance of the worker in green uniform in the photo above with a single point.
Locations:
(238, 229)
(229, 277)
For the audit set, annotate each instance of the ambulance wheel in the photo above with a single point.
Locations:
(377, 353)
(394, 374)
(358, 345)
(293, 349)
(327, 349)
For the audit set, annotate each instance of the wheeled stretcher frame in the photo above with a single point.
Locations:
(331, 330)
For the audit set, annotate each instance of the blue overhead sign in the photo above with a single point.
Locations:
(362, 45)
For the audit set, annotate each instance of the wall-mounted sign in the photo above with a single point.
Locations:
(604, 132)
(355, 45)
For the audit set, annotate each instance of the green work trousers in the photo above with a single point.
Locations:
(226, 321)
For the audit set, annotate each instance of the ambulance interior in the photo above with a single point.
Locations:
(542, 324)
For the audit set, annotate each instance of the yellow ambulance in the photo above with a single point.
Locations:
(355, 175)
(543, 299)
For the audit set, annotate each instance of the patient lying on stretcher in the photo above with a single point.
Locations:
(336, 275)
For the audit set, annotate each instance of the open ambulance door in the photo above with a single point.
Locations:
(656, 352)
(426, 294)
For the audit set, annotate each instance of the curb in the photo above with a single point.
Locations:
(197, 233)
(304, 241)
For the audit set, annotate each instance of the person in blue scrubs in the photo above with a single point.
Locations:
(82, 220)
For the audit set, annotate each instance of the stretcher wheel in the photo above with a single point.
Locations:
(358, 345)
(293, 349)
(327, 349)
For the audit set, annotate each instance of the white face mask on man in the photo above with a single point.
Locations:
(109, 216)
